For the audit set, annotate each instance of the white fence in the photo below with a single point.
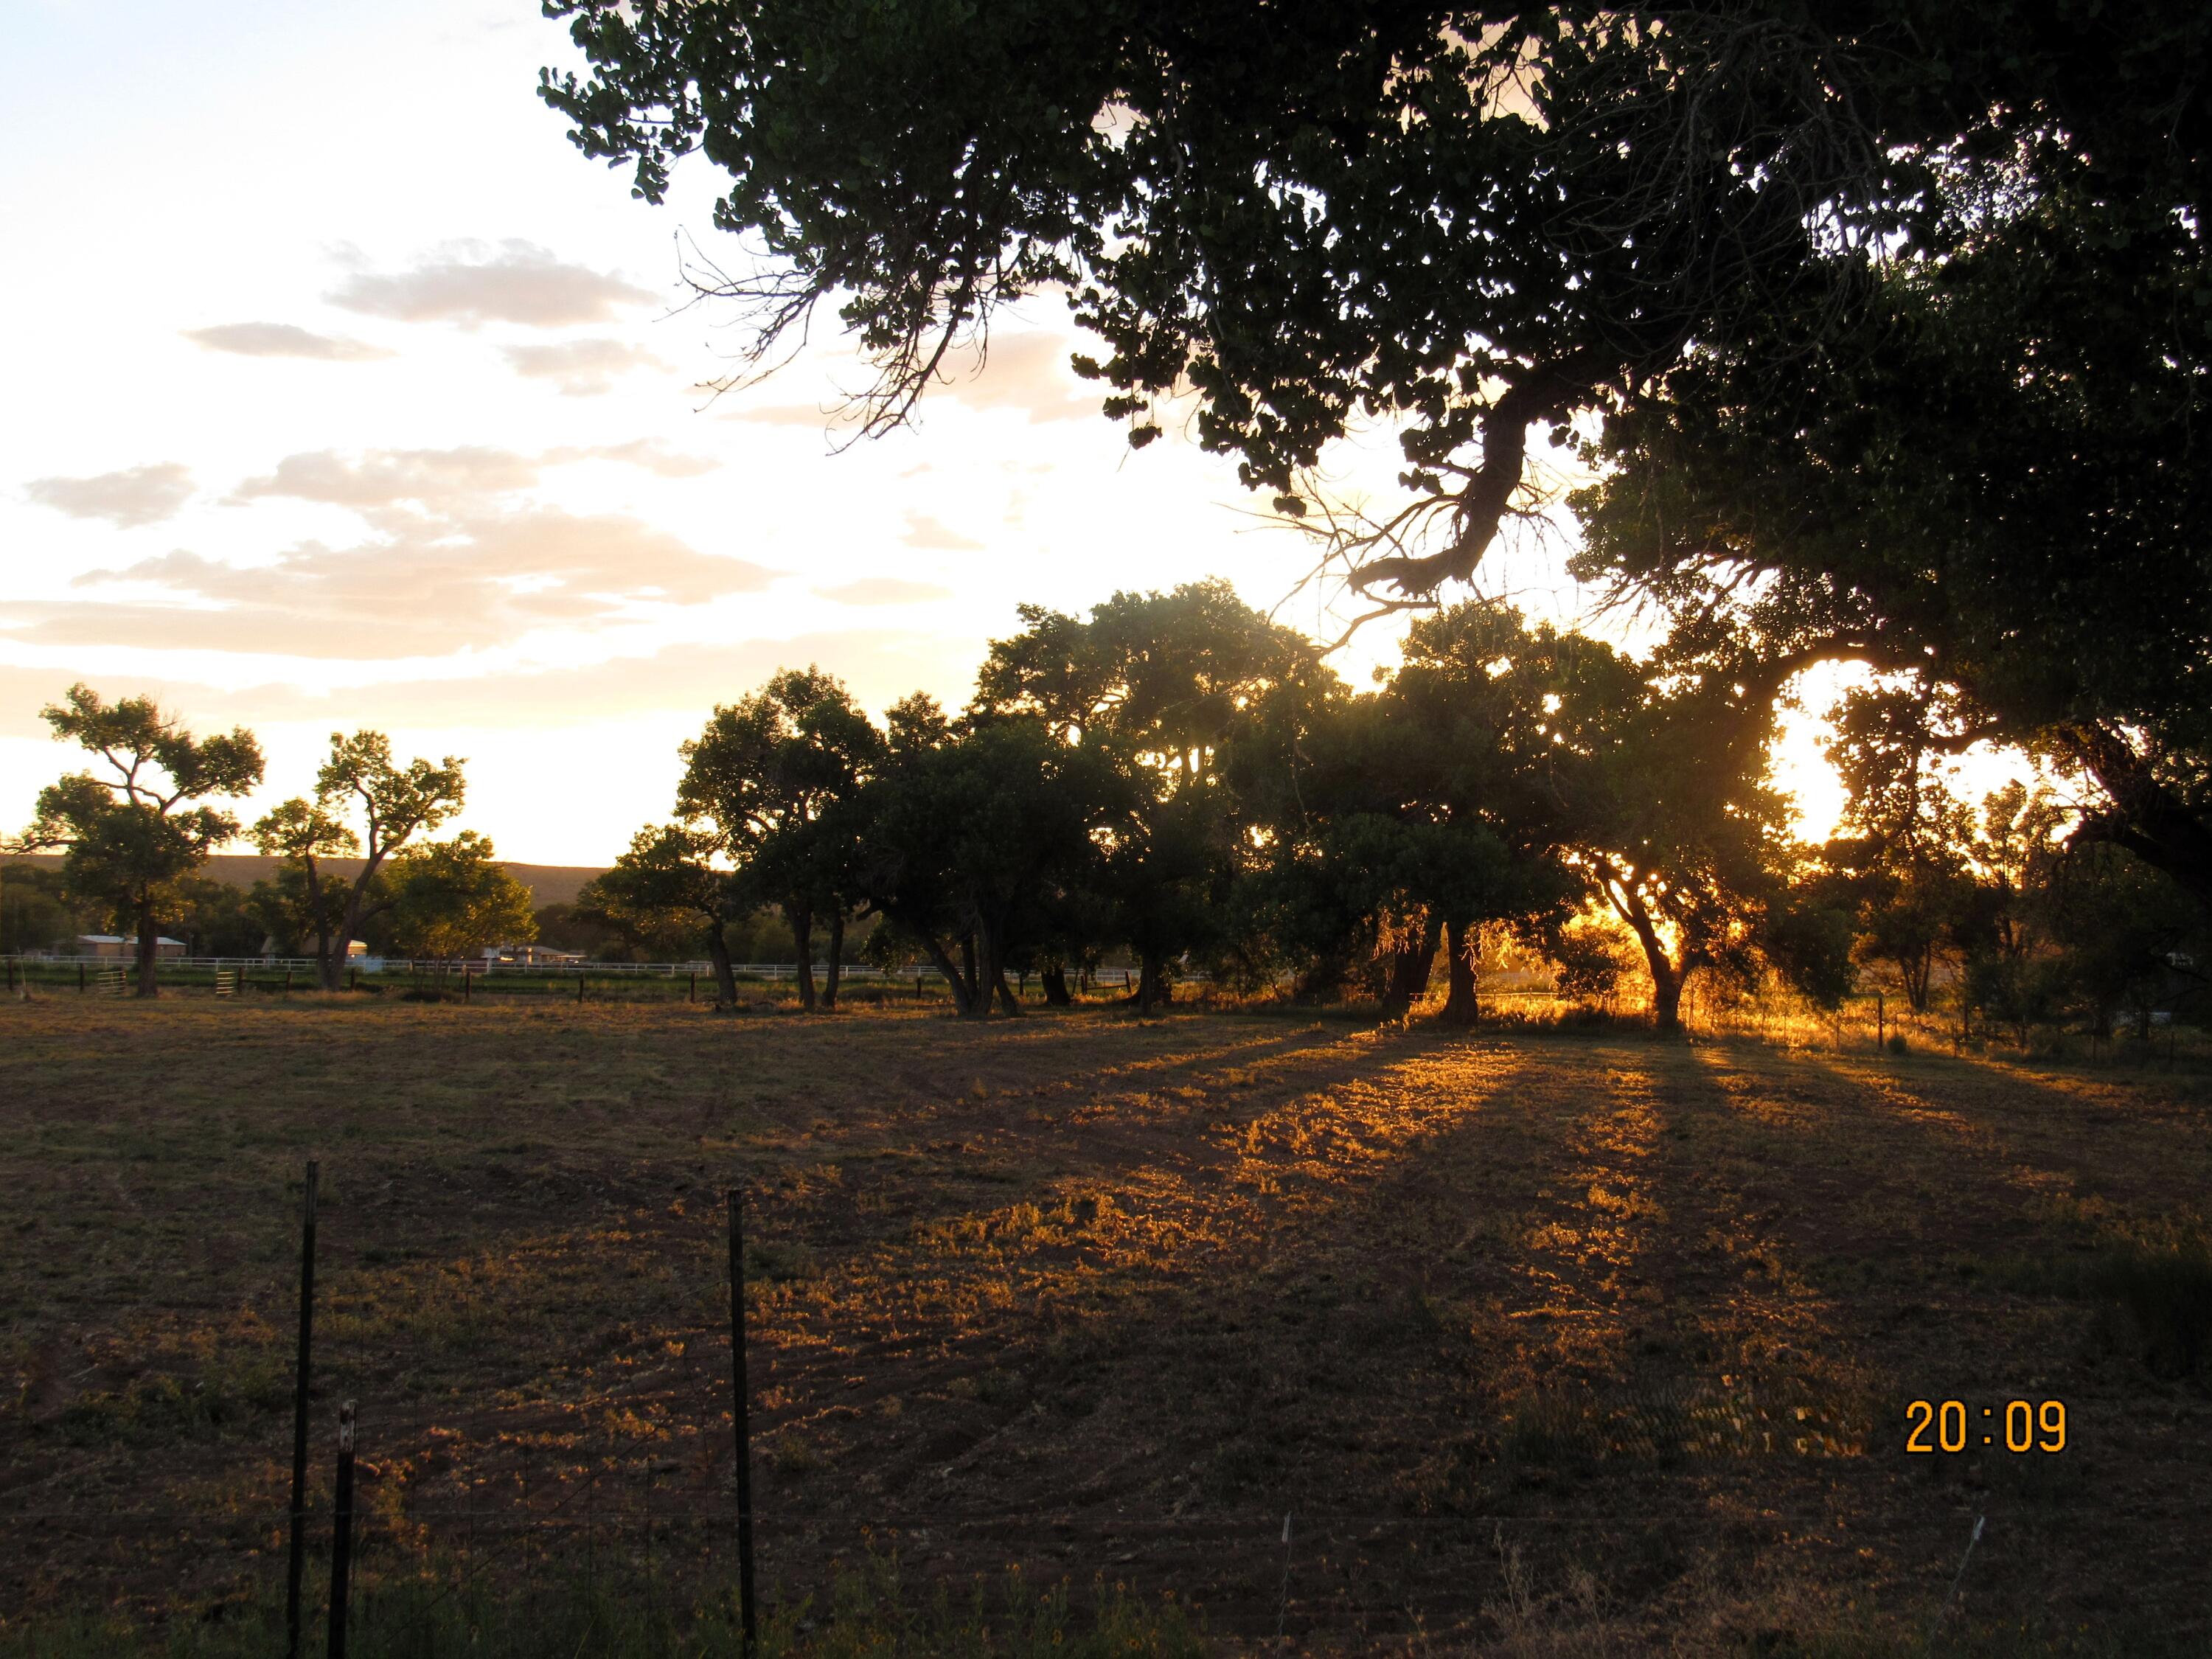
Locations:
(475, 967)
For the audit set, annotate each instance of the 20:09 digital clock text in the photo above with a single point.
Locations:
(2018, 1425)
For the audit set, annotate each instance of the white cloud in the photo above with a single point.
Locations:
(470, 284)
(436, 479)
(282, 340)
(446, 480)
(430, 586)
(880, 664)
(581, 368)
(1028, 372)
(137, 496)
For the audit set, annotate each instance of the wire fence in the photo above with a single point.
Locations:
(662, 1547)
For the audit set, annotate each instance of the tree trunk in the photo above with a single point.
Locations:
(801, 918)
(1153, 990)
(1916, 972)
(1053, 980)
(1462, 1005)
(942, 960)
(837, 969)
(718, 953)
(1409, 972)
(1667, 1001)
(1666, 978)
(322, 924)
(149, 950)
(337, 950)
(1008, 1000)
(989, 974)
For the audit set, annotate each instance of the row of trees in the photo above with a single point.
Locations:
(1177, 778)
(1177, 781)
(135, 827)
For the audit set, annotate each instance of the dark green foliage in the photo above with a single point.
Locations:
(1984, 484)
(1808, 935)
(1170, 691)
(36, 911)
(664, 894)
(973, 838)
(771, 787)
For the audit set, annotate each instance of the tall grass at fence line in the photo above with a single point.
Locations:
(872, 1613)
(617, 1612)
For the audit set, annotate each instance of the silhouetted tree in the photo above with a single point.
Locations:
(1161, 688)
(970, 833)
(1477, 222)
(774, 778)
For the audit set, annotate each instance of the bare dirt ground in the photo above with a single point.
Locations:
(1564, 1338)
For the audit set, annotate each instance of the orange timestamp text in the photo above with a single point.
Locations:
(1955, 1425)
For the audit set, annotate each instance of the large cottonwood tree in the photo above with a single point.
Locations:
(772, 780)
(366, 806)
(134, 829)
(1471, 221)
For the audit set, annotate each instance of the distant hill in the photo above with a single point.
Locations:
(550, 884)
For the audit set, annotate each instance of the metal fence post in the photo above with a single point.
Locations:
(740, 1422)
(299, 1543)
(342, 1533)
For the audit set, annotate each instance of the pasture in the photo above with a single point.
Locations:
(1545, 1340)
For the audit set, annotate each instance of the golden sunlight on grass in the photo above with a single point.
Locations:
(1548, 1331)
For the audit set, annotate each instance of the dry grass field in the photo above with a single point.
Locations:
(1547, 1341)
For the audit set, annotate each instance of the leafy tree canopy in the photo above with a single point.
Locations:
(1473, 222)
(452, 898)
(131, 830)
(360, 784)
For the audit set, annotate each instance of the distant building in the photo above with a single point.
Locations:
(124, 949)
(530, 955)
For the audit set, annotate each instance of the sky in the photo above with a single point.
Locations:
(345, 392)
